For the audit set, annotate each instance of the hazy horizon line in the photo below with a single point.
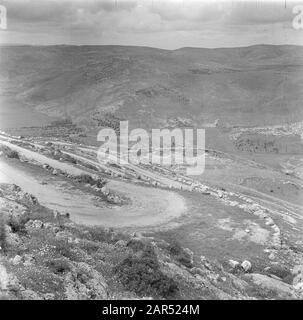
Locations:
(138, 46)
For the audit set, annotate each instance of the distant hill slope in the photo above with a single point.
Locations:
(257, 85)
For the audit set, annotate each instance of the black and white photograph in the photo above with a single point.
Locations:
(151, 150)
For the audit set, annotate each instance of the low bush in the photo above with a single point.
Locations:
(185, 259)
(58, 265)
(142, 275)
(180, 255)
(175, 248)
(136, 245)
(86, 178)
(17, 224)
(100, 183)
(68, 158)
(12, 154)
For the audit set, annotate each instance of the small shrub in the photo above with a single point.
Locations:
(180, 255)
(18, 223)
(184, 259)
(175, 248)
(142, 275)
(68, 158)
(136, 245)
(64, 248)
(85, 178)
(101, 183)
(12, 154)
(67, 250)
(58, 265)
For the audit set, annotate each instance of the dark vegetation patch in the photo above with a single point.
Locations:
(58, 266)
(17, 223)
(9, 153)
(87, 179)
(136, 245)
(180, 254)
(141, 274)
(58, 155)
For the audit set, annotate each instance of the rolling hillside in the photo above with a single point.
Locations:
(251, 86)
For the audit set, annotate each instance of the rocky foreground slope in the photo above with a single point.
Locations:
(46, 256)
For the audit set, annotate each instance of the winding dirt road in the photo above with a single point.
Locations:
(148, 206)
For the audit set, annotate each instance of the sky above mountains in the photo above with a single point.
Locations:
(168, 24)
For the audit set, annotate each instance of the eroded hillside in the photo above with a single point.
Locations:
(258, 85)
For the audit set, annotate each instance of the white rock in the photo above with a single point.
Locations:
(269, 221)
(298, 286)
(246, 265)
(297, 269)
(220, 194)
(233, 263)
(16, 260)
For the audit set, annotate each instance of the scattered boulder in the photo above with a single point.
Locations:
(220, 194)
(246, 265)
(269, 221)
(16, 260)
(233, 263)
(29, 260)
